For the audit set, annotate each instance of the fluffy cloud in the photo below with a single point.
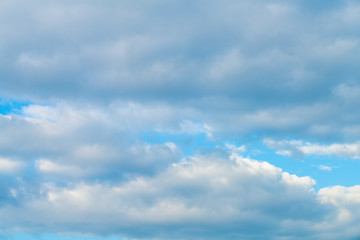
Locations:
(190, 196)
(103, 184)
(213, 196)
(345, 201)
(73, 142)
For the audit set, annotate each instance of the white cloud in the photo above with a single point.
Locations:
(351, 150)
(298, 148)
(52, 168)
(203, 196)
(285, 148)
(325, 168)
(83, 142)
(346, 204)
(8, 165)
(191, 196)
(236, 149)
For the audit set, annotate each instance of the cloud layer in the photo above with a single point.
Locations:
(141, 119)
(276, 67)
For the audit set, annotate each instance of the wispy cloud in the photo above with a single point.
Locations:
(300, 149)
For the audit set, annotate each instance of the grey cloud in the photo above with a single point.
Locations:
(213, 196)
(277, 66)
(165, 51)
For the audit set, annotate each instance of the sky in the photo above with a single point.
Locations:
(182, 120)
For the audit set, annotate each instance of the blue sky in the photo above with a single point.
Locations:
(193, 120)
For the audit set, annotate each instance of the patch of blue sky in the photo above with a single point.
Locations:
(12, 106)
(331, 171)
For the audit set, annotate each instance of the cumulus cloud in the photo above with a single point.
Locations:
(190, 196)
(213, 196)
(345, 201)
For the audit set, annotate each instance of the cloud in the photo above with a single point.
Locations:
(346, 203)
(69, 142)
(300, 149)
(286, 148)
(47, 166)
(325, 168)
(213, 196)
(9, 165)
(234, 194)
(271, 70)
(141, 51)
(117, 93)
